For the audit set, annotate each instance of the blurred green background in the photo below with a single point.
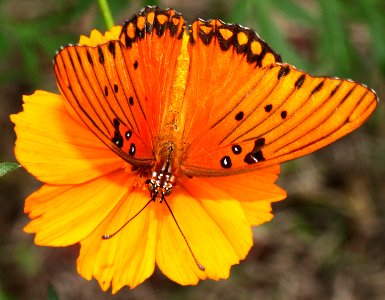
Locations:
(327, 240)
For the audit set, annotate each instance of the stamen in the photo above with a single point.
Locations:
(108, 236)
(202, 268)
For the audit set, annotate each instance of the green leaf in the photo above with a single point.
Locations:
(270, 32)
(294, 11)
(336, 48)
(239, 11)
(150, 2)
(5, 46)
(52, 294)
(7, 167)
(4, 296)
(375, 21)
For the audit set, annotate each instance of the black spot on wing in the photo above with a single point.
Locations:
(226, 162)
(101, 55)
(268, 108)
(236, 149)
(111, 48)
(347, 95)
(117, 139)
(317, 88)
(283, 71)
(259, 143)
(239, 116)
(132, 150)
(335, 89)
(298, 84)
(255, 155)
(89, 58)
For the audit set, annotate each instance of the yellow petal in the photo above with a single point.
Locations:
(96, 37)
(215, 228)
(252, 186)
(257, 212)
(56, 148)
(129, 257)
(255, 191)
(64, 215)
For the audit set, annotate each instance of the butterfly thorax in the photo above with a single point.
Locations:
(162, 179)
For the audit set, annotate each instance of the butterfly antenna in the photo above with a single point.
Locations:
(202, 268)
(154, 195)
(108, 236)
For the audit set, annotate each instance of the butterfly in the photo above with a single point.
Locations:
(208, 99)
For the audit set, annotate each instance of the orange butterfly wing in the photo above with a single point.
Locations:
(242, 108)
(118, 88)
(250, 116)
(154, 37)
(218, 70)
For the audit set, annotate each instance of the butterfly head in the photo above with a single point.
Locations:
(160, 185)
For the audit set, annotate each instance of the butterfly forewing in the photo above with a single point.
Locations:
(98, 85)
(121, 88)
(154, 39)
(222, 59)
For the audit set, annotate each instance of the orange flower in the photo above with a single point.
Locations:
(89, 192)
(147, 114)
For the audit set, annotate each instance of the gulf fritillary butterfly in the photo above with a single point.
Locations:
(212, 100)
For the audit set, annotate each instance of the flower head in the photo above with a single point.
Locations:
(163, 147)
(89, 192)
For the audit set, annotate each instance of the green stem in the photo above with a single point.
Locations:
(105, 10)
(6, 167)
